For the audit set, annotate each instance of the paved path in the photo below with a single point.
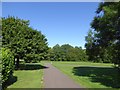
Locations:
(53, 78)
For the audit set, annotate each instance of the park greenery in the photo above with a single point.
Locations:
(20, 42)
(103, 40)
(31, 76)
(7, 65)
(23, 42)
(66, 52)
(91, 75)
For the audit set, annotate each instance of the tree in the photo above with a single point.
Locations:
(81, 54)
(89, 45)
(67, 52)
(107, 28)
(57, 52)
(25, 42)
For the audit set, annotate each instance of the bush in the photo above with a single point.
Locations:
(7, 65)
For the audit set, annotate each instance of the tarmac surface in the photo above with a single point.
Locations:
(53, 78)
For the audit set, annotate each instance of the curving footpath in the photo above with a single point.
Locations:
(53, 78)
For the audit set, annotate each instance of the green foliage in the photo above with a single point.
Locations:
(105, 45)
(90, 51)
(22, 40)
(33, 58)
(7, 65)
(67, 53)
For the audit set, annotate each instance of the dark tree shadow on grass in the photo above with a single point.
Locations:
(107, 76)
(31, 66)
(12, 79)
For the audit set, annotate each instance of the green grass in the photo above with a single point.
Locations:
(91, 75)
(28, 78)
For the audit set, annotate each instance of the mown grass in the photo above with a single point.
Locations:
(31, 76)
(91, 75)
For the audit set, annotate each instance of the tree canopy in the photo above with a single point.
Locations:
(25, 42)
(67, 52)
(105, 38)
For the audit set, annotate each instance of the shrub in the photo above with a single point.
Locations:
(7, 65)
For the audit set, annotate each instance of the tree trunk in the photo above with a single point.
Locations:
(14, 60)
(17, 63)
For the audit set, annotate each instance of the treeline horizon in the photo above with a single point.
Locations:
(66, 52)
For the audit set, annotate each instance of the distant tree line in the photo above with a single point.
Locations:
(67, 52)
(103, 39)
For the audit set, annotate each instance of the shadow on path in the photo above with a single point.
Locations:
(107, 76)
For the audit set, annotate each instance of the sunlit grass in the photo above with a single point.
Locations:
(27, 79)
(91, 75)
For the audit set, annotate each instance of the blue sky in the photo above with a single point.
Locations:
(61, 23)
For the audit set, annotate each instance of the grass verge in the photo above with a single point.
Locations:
(28, 78)
(91, 75)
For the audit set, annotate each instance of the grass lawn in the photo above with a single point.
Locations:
(91, 75)
(30, 77)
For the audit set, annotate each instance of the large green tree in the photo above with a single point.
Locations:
(22, 40)
(106, 25)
